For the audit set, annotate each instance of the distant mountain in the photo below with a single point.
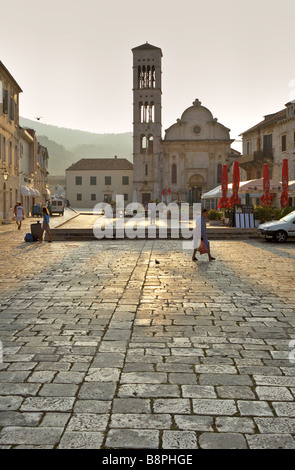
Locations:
(67, 146)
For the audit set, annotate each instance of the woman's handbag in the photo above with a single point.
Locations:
(202, 248)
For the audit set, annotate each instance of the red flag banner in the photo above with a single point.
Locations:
(234, 200)
(223, 202)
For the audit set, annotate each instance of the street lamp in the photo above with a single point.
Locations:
(5, 174)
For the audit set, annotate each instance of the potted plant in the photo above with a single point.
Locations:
(214, 217)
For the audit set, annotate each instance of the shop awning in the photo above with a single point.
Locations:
(25, 191)
(46, 192)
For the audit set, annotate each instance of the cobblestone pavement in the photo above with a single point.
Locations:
(102, 348)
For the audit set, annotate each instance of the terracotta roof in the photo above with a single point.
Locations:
(268, 119)
(101, 164)
(5, 70)
(146, 47)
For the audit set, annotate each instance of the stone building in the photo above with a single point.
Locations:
(94, 180)
(189, 158)
(9, 141)
(33, 166)
(270, 141)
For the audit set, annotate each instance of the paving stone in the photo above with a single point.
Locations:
(58, 390)
(254, 408)
(132, 439)
(225, 379)
(23, 389)
(132, 405)
(92, 406)
(143, 377)
(235, 391)
(271, 441)
(10, 402)
(194, 423)
(284, 408)
(276, 425)
(145, 421)
(55, 419)
(214, 407)
(174, 406)
(97, 390)
(105, 374)
(47, 404)
(81, 440)
(215, 369)
(198, 391)
(17, 418)
(274, 393)
(34, 436)
(234, 425)
(222, 441)
(90, 422)
(148, 391)
(179, 440)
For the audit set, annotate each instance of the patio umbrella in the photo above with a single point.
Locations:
(169, 193)
(236, 183)
(285, 182)
(163, 195)
(223, 202)
(266, 197)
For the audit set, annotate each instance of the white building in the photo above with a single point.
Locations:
(94, 180)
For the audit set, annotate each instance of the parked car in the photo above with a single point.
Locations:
(57, 206)
(278, 230)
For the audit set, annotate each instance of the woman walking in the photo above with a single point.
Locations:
(45, 226)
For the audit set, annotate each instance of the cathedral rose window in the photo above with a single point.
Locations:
(197, 130)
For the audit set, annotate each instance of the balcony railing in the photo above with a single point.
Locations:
(259, 156)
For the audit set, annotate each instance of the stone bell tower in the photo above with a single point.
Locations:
(147, 121)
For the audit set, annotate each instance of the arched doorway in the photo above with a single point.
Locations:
(195, 189)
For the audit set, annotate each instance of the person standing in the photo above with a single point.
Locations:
(19, 215)
(200, 235)
(45, 226)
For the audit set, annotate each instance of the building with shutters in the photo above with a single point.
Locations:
(94, 180)
(270, 141)
(9, 143)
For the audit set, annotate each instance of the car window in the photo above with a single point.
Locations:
(59, 203)
(289, 218)
(54, 203)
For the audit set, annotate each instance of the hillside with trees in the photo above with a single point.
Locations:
(67, 146)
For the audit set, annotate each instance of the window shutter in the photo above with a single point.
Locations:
(5, 101)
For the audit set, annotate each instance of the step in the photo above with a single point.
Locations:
(213, 233)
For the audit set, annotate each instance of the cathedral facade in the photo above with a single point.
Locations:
(188, 160)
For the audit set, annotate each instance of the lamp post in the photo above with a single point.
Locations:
(5, 174)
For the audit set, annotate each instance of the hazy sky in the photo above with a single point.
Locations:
(73, 58)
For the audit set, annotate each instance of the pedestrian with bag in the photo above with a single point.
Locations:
(201, 243)
(45, 225)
